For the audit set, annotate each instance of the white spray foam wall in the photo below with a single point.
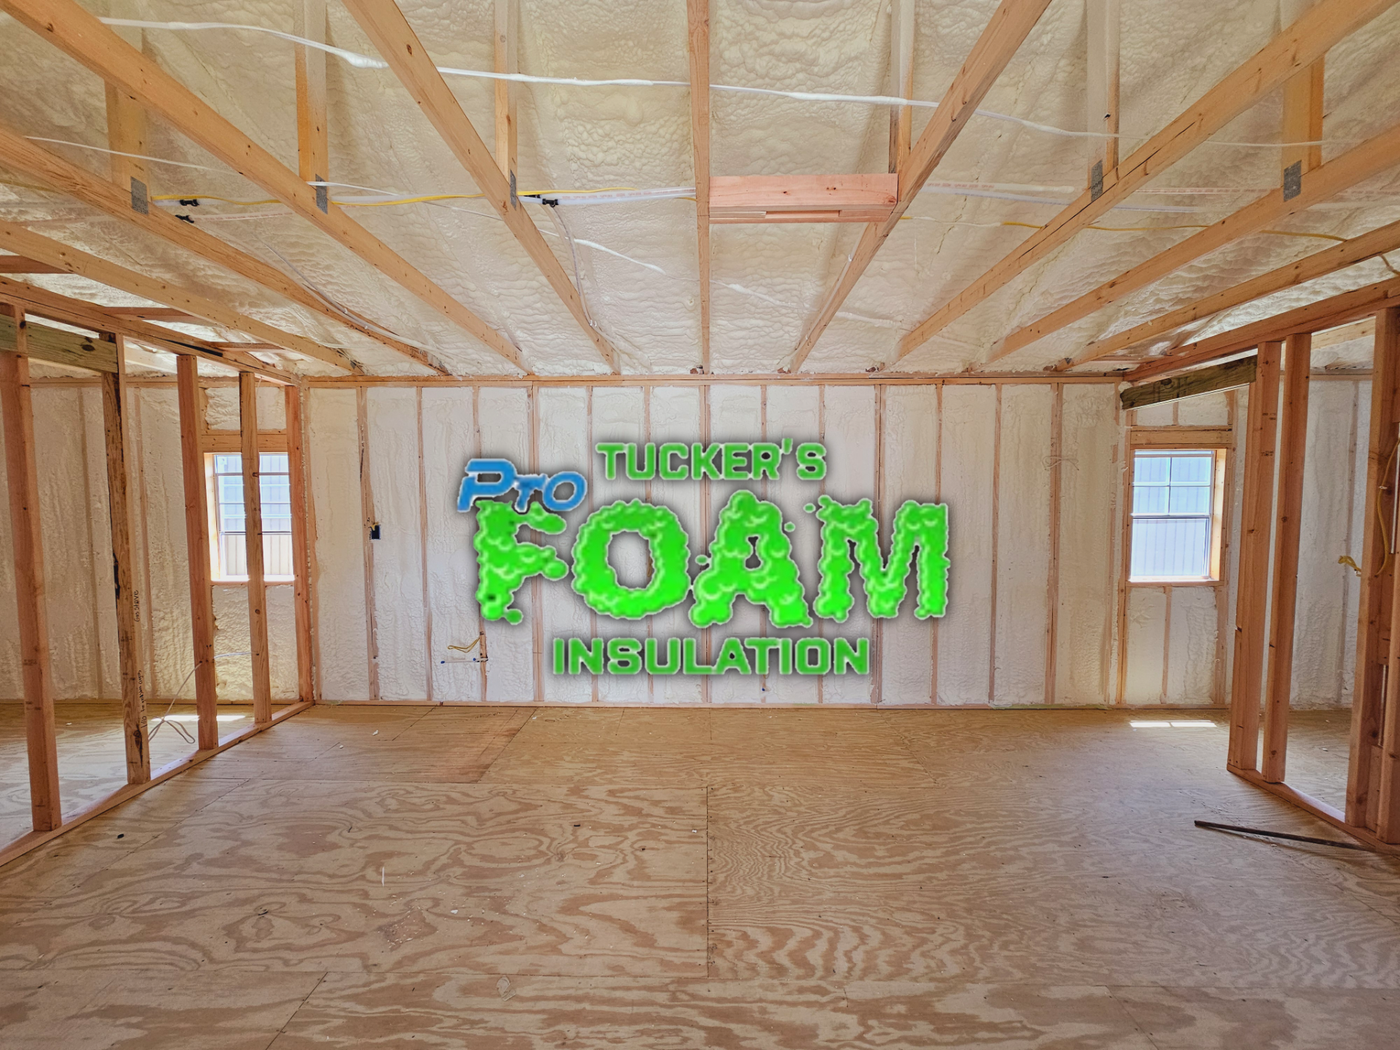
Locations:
(675, 416)
(1089, 481)
(563, 445)
(968, 457)
(795, 413)
(449, 441)
(400, 614)
(619, 415)
(910, 473)
(222, 412)
(510, 665)
(1023, 544)
(333, 471)
(850, 438)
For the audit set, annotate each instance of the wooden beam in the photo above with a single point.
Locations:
(1251, 603)
(1375, 633)
(19, 264)
(1325, 313)
(59, 347)
(902, 76)
(206, 686)
(1365, 246)
(80, 35)
(1189, 384)
(1355, 166)
(698, 37)
(253, 538)
(301, 562)
(395, 39)
(506, 56)
(1010, 24)
(313, 146)
(31, 615)
(1102, 33)
(1293, 50)
(1293, 444)
(43, 303)
(152, 313)
(802, 198)
(115, 430)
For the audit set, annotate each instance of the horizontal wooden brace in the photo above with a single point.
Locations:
(60, 347)
(1188, 384)
(803, 198)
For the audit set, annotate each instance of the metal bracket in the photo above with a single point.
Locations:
(1293, 180)
(140, 200)
(323, 196)
(1096, 180)
(514, 198)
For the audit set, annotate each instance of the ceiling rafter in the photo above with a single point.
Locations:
(1289, 53)
(20, 154)
(1010, 24)
(40, 302)
(1356, 165)
(80, 35)
(22, 241)
(1319, 264)
(1326, 313)
(394, 38)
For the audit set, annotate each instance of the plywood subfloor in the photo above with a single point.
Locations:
(523, 878)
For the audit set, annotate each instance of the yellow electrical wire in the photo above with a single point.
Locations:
(397, 200)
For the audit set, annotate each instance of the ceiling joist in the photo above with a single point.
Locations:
(19, 153)
(1011, 23)
(395, 39)
(1319, 264)
(25, 242)
(1289, 53)
(1356, 165)
(80, 35)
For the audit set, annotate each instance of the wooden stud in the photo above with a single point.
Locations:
(301, 563)
(995, 529)
(197, 540)
(902, 75)
(1358, 164)
(882, 512)
(69, 27)
(1010, 24)
(1325, 313)
(391, 34)
(506, 59)
(698, 35)
(1375, 635)
(313, 146)
(127, 129)
(134, 731)
(1052, 577)
(1251, 607)
(1118, 629)
(1293, 443)
(1291, 51)
(1222, 594)
(368, 524)
(253, 539)
(423, 543)
(1103, 18)
(31, 614)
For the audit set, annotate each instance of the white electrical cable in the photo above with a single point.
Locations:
(360, 61)
(176, 699)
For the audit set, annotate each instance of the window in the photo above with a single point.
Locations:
(230, 547)
(1175, 515)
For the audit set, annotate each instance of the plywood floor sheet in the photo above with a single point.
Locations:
(547, 877)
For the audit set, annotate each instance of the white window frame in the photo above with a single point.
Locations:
(1218, 441)
(216, 530)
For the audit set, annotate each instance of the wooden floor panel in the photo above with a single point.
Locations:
(545, 877)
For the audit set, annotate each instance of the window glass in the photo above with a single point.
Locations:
(1173, 515)
(229, 520)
